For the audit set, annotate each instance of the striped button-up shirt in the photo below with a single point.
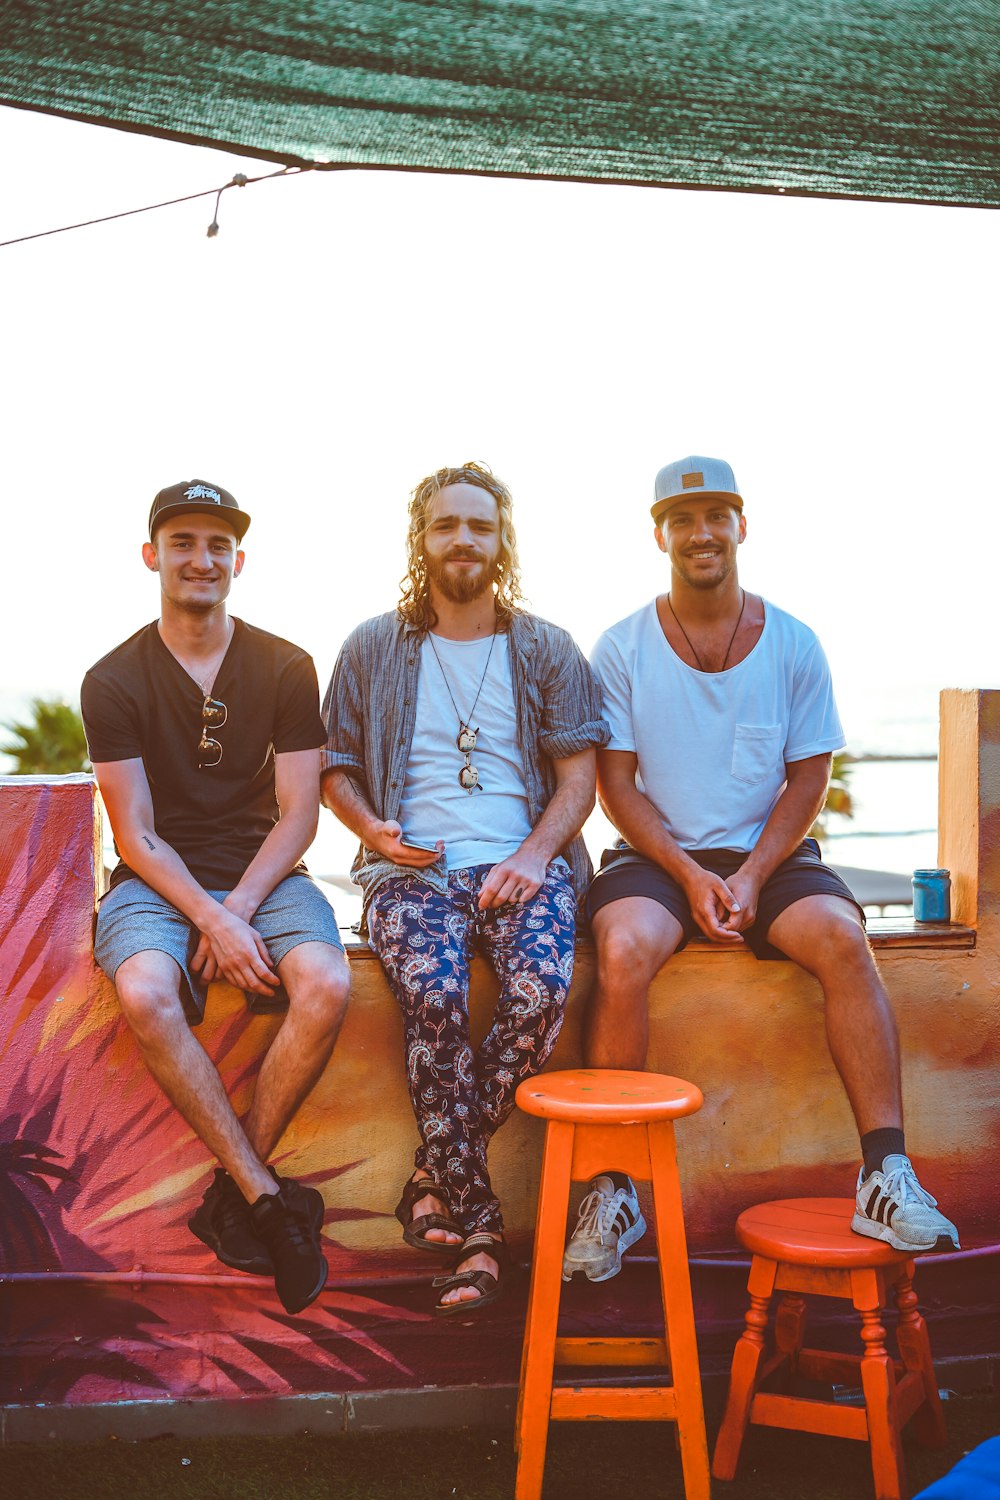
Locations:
(371, 706)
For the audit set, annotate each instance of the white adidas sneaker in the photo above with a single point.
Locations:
(608, 1222)
(891, 1205)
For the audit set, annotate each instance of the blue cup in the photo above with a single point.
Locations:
(932, 895)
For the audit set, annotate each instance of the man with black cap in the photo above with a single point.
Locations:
(205, 734)
(723, 726)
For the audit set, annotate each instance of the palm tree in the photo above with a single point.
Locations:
(52, 742)
(838, 795)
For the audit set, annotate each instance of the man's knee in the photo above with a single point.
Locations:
(318, 984)
(149, 995)
(836, 947)
(629, 956)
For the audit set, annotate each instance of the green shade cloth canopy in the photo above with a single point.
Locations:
(885, 99)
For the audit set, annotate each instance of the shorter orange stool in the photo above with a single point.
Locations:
(807, 1245)
(600, 1119)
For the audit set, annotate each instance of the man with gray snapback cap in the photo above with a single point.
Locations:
(723, 726)
(205, 734)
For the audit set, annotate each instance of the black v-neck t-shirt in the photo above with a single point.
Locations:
(138, 701)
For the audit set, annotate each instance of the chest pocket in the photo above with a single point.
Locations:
(756, 752)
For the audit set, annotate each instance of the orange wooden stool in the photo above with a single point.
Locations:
(807, 1245)
(601, 1119)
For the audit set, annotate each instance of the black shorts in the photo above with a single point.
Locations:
(623, 873)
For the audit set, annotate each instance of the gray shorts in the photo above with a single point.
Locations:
(132, 918)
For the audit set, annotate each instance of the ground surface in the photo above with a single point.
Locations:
(593, 1459)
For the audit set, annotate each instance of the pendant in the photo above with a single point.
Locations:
(468, 779)
(468, 776)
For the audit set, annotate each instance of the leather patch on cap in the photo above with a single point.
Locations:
(689, 481)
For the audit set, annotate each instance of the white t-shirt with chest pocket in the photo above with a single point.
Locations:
(712, 747)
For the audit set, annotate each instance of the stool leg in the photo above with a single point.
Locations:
(915, 1348)
(675, 1287)
(538, 1356)
(878, 1381)
(747, 1356)
(789, 1332)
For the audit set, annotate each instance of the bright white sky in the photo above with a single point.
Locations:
(348, 332)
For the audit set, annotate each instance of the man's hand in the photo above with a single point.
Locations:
(204, 960)
(517, 879)
(746, 889)
(235, 950)
(713, 906)
(387, 839)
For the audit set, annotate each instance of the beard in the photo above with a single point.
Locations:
(701, 581)
(460, 588)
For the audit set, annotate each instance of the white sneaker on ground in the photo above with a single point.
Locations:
(608, 1222)
(891, 1205)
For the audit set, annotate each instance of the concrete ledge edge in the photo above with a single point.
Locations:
(331, 1415)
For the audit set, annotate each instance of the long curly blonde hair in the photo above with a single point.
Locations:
(415, 604)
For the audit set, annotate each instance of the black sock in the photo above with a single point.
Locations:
(878, 1144)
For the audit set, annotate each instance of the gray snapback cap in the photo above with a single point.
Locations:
(694, 476)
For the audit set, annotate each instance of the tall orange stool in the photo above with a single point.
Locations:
(807, 1245)
(600, 1119)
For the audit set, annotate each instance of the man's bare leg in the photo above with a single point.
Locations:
(318, 982)
(148, 986)
(634, 937)
(825, 936)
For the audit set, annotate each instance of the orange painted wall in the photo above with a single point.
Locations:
(98, 1175)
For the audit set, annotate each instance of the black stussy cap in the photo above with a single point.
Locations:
(197, 495)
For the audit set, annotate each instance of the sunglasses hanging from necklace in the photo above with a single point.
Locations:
(214, 712)
(468, 776)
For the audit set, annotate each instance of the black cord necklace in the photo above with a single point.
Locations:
(725, 659)
(468, 776)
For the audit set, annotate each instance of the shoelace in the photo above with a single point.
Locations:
(902, 1183)
(597, 1212)
(232, 1211)
(284, 1230)
(295, 1237)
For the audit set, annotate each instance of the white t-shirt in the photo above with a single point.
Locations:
(485, 826)
(712, 746)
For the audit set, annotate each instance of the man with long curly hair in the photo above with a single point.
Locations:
(462, 738)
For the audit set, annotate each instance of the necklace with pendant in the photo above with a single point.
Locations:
(725, 659)
(207, 682)
(468, 776)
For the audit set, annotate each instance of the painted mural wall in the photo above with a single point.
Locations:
(104, 1293)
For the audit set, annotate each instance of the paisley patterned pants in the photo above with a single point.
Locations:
(425, 941)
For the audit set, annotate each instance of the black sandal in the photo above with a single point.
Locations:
(415, 1230)
(489, 1287)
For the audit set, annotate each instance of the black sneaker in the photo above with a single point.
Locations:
(223, 1224)
(305, 1202)
(285, 1221)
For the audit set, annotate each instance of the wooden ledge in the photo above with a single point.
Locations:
(904, 932)
(891, 934)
